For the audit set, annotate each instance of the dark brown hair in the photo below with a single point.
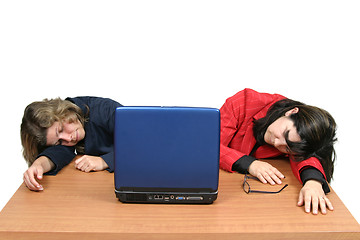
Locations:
(315, 126)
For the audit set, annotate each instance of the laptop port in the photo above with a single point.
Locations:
(158, 197)
(195, 198)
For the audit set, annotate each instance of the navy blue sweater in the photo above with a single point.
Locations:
(99, 133)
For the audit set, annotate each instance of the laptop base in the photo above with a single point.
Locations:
(162, 197)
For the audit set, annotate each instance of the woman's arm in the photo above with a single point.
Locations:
(230, 119)
(312, 194)
(36, 171)
(237, 115)
(59, 155)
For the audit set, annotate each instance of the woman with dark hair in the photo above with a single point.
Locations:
(260, 125)
(54, 131)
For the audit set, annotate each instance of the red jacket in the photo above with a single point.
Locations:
(237, 138)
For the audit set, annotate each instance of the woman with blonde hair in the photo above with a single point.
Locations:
(54, 131)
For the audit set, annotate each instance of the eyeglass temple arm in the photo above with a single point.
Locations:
(256, 191)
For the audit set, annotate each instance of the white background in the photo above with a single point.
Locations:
(188, 53)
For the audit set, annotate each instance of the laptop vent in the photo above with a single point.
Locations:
(136, 197)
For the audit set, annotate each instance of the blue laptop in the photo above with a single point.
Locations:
(166, 154)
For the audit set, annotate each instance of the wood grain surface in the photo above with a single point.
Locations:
(83, 206)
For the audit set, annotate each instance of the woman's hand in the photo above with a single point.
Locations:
(265, 172)
(88, 163)
(36, 171)
(312, 195)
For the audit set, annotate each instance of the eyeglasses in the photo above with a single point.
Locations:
(247, 189)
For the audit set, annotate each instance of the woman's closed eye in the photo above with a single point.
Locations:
(58, 131)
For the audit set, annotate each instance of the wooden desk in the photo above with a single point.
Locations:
(77, 205)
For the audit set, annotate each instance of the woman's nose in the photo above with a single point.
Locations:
(281, 145)
(279, 142)
(66, 137)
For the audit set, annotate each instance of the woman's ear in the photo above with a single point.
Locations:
(292, 111)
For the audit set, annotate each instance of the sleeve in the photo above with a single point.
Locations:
(298, 166)
(109, 159)
(59, 155)
(229, 126)
(314, 174)
(242, 165)
(108, 107)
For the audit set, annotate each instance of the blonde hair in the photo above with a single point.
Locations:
(38, 117)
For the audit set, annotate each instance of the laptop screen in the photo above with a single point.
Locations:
(167, 148)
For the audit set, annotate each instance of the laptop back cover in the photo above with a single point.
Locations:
(167, 154)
